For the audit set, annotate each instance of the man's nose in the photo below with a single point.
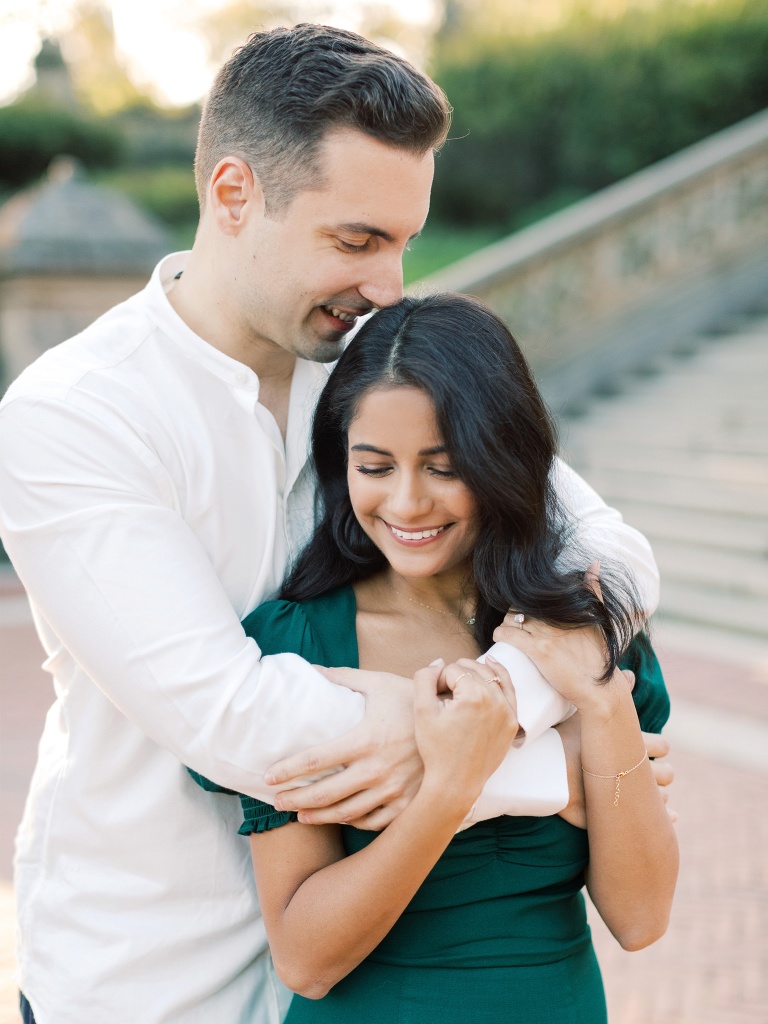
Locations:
(384, 283)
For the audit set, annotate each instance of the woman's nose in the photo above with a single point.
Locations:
(409, 499)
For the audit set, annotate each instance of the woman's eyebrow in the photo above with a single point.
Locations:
(438, 449)
(369, 448)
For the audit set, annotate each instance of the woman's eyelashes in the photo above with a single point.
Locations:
(440, 472)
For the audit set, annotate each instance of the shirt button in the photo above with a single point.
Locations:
(241, 377)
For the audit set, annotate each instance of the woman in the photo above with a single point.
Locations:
(434, 456)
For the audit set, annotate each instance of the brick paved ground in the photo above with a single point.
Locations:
(710, 968)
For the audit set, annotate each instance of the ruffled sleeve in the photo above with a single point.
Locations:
(261, 817)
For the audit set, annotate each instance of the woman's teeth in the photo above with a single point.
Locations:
(346, 317)
(417, 535)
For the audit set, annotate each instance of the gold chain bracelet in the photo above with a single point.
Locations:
(616, 778)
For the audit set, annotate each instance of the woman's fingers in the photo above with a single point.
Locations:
(504, 681)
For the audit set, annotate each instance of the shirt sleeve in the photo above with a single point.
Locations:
(601, 534)
(89, 518)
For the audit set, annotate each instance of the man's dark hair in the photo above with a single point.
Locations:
(275, 100)
(501, 443)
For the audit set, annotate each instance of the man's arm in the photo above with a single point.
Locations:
(602, 535)
(87, 516)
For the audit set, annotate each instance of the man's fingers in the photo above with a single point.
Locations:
(328, 757)
(344, 812)
(656, 744)
(663, 772)
(592, 580)
(327, 791)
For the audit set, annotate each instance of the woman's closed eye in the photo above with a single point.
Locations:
(373, 470)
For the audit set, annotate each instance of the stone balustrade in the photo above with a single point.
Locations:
(601, 287)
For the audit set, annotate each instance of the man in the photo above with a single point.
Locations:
(153, 480)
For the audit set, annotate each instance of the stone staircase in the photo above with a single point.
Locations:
(682, 452)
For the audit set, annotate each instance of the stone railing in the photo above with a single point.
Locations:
(602, 287)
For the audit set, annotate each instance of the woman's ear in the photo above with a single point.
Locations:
(234, 195)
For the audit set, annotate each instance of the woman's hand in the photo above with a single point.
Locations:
(464, 733)
(571, 659)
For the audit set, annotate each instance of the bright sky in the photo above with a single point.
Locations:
(156, 39)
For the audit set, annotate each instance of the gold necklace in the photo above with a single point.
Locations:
(451, 615)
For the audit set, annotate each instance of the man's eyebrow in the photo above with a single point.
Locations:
(361, 228)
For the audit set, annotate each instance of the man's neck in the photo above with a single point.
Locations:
(204, 313)
(275, 393)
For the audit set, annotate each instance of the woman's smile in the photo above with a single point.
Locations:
(403, 488)
(422, 535)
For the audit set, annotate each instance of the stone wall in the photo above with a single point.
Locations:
(39, 311)
(603, 286)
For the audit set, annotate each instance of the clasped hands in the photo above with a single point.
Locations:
(375, 770)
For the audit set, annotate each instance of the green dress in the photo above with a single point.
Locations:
(497, 933)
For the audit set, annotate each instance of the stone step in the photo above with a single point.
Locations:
(621, 434)
(720, 571)
(618, 487)
(690, 603)
(749, 471)
(712, 642)
(708, 529)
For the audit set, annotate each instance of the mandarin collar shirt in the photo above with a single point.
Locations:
(148, 503)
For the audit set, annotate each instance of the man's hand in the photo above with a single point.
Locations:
(376, 767)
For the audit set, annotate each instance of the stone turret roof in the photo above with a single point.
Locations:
(66, 225)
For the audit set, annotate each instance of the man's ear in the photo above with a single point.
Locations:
(234, 194)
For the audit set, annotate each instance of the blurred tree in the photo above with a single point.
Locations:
(227, 27)
(542, 119)
(99, 76)
(32, 134)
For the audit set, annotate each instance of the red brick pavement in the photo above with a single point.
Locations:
(710, 968)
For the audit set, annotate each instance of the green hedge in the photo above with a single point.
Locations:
(167, 192)
(31, 135)
(566, 113)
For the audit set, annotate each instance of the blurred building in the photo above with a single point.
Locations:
(69, 250)
(53, 83)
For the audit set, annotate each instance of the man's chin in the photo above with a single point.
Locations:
(320, 350)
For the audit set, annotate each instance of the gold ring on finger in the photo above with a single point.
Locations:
(455, 682)
(519, 619)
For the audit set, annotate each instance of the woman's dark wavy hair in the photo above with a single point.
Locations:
(501, 443)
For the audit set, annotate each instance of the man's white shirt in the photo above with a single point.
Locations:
(149, 503)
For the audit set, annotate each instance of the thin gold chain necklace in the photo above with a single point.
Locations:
(451, 615)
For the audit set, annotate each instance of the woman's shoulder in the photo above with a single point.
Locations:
(310, 628)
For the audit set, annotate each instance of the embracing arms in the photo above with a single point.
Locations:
(325, 911)
(126, 592)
